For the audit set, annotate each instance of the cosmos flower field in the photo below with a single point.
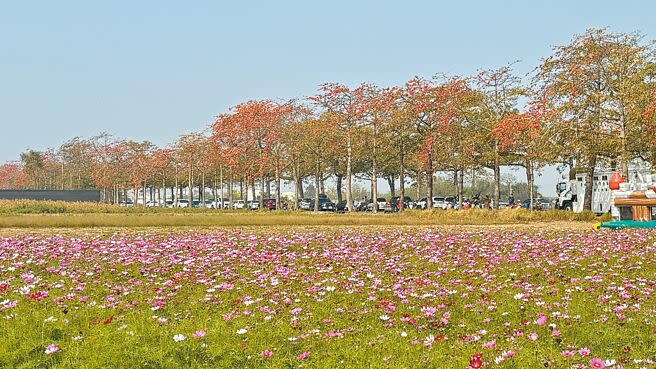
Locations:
(330, 297)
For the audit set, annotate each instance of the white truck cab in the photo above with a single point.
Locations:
(571, 193)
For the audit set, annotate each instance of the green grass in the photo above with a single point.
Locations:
(15, 207)
(286, 218)
(485, 271)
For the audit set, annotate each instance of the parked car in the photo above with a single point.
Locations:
(393, 205)
(218, 203)
(381, 204)
(304, 204)
(238, 204)
(341, 207)
(324, 204)
(126, 204)
(150, 204)
(438, 202)
(270, 204)
(183, 203)
(253, 205)
(538, 204)
(169, 203)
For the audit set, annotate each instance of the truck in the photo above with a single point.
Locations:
(571, 193)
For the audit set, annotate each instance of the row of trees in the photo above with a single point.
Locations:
(592, 102)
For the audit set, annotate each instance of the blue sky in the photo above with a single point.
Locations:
(155, 69)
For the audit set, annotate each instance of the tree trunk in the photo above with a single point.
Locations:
(429, 177)
(221, 189)
(214, 190)
(349, 174)
(530, 181)
(278, 198)
(461, 188)
(587, 197)
(253, 190)
(190, 195)
(497, 177)
(230, 197)
(339, 187)
(374, 182)
(401, 181)
(317, 174)
(322, 187)
(263, 184)
(202, 196)
(392, 185)
(297, 192)
(301, 193)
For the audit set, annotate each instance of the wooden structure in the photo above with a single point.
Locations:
(637, 207)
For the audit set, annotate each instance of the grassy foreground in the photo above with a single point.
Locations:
(364, 297)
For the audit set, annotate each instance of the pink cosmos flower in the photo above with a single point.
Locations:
(267, 354)
(428, 341)
(38, 295)
(567, 353)
(533, 336)
(199, 334)
(52, 348)
(597, 363)
(584, 351)
(428, 311)
(303, 356)
(542, 320)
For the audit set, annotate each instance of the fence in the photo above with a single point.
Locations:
(57, 195)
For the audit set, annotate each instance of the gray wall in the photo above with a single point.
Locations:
(63, 195)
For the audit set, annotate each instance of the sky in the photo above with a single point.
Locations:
(152, 70)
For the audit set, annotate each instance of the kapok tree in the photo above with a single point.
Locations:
(250, 126)
(597, 84)
(528, 136)
(649, 136)
(380, 107)
(346, 108)
(434, 108)
(11, 176)
(500, 91)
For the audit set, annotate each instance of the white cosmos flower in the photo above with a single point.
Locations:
(242, 331)
(179, 337)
